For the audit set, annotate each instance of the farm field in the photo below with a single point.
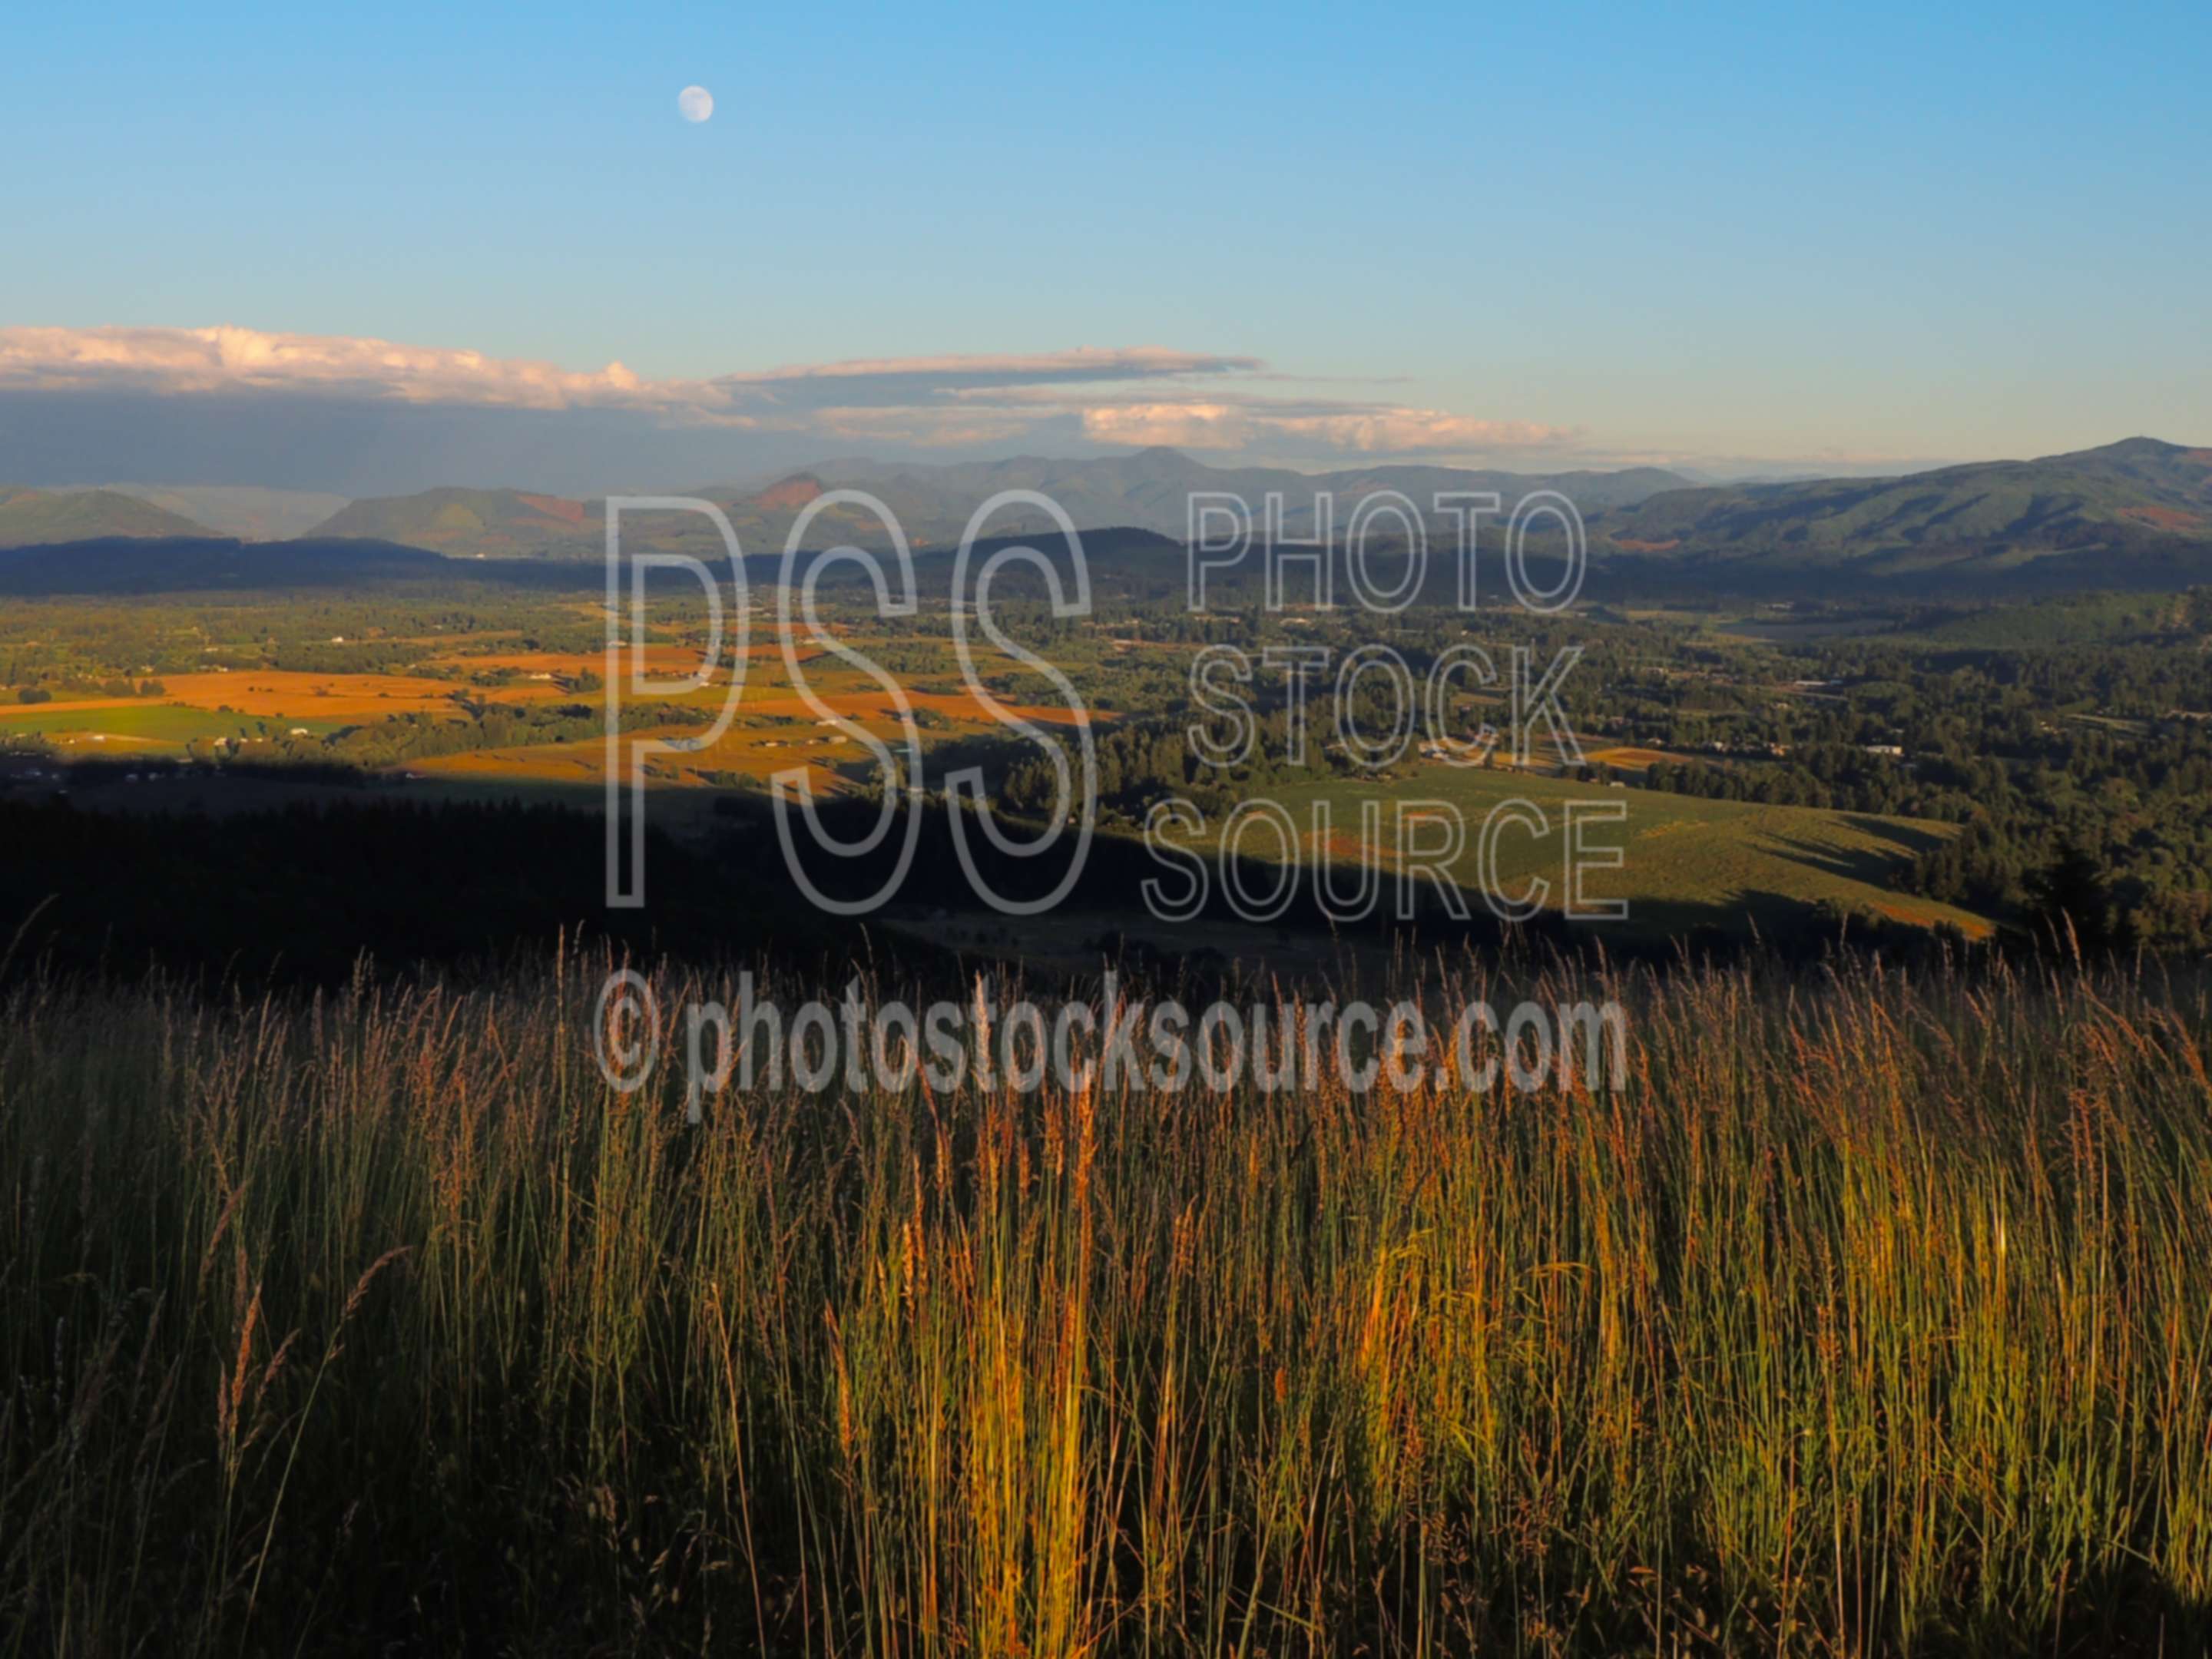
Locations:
(265, 703)
(273, 692)
(774, 730)
(240, 704)
(133, 724)
(504, 703)
(1684, 861)
(1627, 757)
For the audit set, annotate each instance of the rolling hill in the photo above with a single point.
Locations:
(2138, 501)
(1685, 863)
(473, 523)
(36, 517)
(247, 511)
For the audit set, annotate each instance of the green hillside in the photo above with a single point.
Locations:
(2137, 498)
(36, 517)
(470, 523)
(1684, 862)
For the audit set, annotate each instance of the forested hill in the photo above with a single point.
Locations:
(2140, 502)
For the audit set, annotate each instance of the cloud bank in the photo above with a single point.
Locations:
(186, 361)
(376, 402)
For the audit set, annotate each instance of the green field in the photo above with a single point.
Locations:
(1684, 862)
(153, 722)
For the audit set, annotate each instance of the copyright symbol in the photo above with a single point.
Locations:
(626, 1032)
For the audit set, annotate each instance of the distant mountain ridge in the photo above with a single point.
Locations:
(37, 518)
(1150, 488)
(2137, 498)
(2140, 510)
(2135, 515)
(1148, 491)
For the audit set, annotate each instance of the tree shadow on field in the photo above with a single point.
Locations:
(1906, 838)
(1786, 925)
(1866, 864)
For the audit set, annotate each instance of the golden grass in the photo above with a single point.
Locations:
(1875, 1316)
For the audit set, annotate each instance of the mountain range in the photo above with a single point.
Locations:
(2137, 512)
(1148, 491)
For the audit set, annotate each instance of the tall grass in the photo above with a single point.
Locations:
(1875, 1316)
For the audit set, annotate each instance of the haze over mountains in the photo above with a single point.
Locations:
(1148, 491)
(35, 518)
(73, 513)
(247, 511)
(2138, 512)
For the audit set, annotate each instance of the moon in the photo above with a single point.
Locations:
(695, 104)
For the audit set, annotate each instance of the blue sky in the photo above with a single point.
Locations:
(1850, 236)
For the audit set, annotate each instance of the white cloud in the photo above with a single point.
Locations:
(939, 427)
(1181, 426)
(1190, 400)
(230, 359)
(1351, 429)
(1421, 431)
(1083, 363)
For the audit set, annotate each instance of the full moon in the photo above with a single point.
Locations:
(695, 103)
